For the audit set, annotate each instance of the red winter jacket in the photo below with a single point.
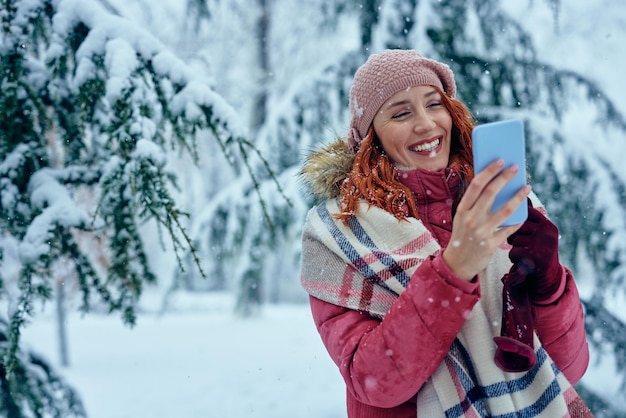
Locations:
(416, 334)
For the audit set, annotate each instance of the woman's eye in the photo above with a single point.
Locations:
(400, 115)
(434, 104)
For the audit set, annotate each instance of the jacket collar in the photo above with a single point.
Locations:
(432, 186)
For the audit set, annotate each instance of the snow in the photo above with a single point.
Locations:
(149, 150)
(196, 94)
(202, 361)
(8, 168)
(121, 61)
(57, 208)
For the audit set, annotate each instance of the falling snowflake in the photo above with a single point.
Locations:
(358, 110)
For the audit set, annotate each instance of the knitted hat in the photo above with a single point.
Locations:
(385, 74)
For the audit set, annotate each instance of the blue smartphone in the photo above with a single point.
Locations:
(503, 139)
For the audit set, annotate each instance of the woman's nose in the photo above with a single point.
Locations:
(423, 123)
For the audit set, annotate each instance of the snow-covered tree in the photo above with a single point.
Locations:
(91, 108)
(259, 261)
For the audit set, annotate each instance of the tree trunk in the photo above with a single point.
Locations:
(259, 110)
(61, 322)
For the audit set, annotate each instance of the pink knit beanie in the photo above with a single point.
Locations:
(385, 74)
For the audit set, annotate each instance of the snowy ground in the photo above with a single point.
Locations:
(200, 360)
(199, 363)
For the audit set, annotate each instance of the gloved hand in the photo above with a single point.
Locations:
(515, 349)
(535, 253)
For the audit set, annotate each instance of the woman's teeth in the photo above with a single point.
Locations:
(427, 147)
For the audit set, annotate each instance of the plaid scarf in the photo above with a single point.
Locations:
(385, 252)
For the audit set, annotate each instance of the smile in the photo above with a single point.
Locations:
(429, 146)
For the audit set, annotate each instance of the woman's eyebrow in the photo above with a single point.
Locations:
(403, 102)
(398, 103)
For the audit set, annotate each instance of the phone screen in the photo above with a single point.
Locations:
(503, 139)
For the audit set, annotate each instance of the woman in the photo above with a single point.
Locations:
(405, 263)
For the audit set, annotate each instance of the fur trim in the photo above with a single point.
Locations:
(325, 168)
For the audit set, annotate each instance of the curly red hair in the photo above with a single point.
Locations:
(373, 176)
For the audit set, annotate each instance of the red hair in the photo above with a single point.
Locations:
(373, 176)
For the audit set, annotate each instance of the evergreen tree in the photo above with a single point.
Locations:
(260, 260)
(91, 107)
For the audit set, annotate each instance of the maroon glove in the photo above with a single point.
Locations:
(515, 350)
(536, 275)
(536, 253)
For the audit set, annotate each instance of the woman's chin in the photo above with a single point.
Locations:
(430, 165)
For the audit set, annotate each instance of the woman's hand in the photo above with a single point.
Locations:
(475, 230)
(535, 253)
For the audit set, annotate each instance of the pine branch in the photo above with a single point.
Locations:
(31, 388)
(157, 204)
(257, 186)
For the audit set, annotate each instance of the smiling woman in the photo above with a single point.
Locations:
(408, 270)
(414, 127)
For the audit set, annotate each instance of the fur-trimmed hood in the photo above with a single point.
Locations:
(325, 168)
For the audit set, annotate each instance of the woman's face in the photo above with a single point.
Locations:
(414, 129)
